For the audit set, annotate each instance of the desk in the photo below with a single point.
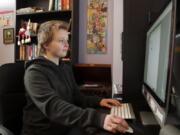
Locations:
(139, 129)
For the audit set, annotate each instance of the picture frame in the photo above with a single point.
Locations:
(8, 36)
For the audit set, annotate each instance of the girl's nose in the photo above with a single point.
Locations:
(66, 44)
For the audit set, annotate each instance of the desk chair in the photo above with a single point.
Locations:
(5, 131)
(12, 96)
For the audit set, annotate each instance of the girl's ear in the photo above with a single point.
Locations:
(45, 46)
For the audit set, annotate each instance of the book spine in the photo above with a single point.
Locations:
(36, 50)
(50, 5)
(33, 51)
(24, 52)
(56, 4)
(20, 54)
(70, 4)
(67, 4)
(62, 4)
(59, 4)
(28, 52)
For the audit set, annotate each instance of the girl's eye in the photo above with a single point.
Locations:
(62, 41)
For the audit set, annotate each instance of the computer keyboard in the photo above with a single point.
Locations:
(125, 111)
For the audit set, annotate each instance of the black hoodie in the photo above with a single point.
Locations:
(54, 102)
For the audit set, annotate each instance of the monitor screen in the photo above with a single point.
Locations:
(157, 54)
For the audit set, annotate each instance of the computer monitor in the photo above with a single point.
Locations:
(157, 69)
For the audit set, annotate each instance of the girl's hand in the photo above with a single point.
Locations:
(115, 124)
(107, 102)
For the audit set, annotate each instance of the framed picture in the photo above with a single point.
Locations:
(8, 36)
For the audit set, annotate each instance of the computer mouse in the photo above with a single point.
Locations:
(130, 130)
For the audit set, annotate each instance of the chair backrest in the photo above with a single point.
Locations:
(5, 131)
(12, 96)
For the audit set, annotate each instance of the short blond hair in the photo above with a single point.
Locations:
(46, 33)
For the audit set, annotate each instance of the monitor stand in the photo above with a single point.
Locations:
(148, 118)
(173, 119)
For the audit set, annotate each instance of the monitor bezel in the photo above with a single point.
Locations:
(165, 103)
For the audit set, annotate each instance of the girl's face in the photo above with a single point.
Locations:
(58, 47)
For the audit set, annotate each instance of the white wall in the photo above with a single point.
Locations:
(115, 28)
(6, 51)
(117, 66)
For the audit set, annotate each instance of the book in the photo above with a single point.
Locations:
(62, 4)
(65, 4)
(56, 5)
(59, 5)
(28, 52)
(21, 57)
(34, 27)
(70, 4)
(50, 5)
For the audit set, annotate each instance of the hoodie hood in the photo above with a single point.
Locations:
(41, 60)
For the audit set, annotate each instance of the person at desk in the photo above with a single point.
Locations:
(55, 105)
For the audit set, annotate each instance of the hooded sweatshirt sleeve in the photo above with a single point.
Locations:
(85, 101)
(80, 99)
(53, 107)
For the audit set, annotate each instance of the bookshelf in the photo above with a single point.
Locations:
(94, 74)
(28, 51)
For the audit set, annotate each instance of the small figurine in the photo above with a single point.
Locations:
(27, 33)
(24, 34)
(21, 34)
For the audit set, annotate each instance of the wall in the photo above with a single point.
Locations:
(115, 28)
(117, 65)
(6, 51)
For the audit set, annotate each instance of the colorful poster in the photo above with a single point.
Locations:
(97, 16)
(6, 18)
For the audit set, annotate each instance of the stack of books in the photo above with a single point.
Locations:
(60, 5)
(28, 52)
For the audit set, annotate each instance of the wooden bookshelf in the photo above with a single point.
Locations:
(99, 74)
(45, 15)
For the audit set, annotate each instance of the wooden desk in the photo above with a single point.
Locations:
(139, 129)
